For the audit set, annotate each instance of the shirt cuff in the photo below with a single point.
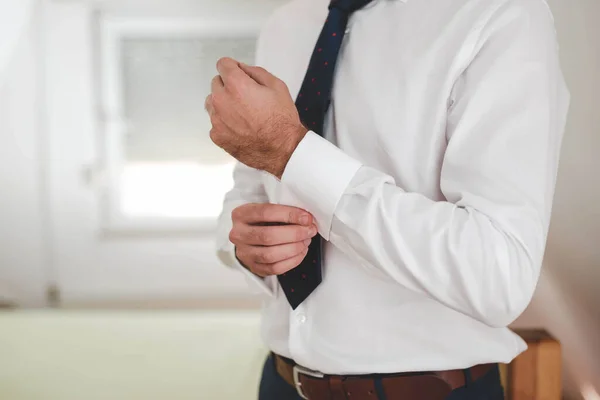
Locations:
(257, 284)
(318, 174)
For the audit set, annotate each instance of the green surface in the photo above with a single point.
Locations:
(129, 355)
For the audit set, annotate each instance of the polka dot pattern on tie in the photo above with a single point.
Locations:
(313, 102)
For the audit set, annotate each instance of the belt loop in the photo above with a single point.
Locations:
(379, 388)
(468, 377)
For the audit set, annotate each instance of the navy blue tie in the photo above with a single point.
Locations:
(312, 103)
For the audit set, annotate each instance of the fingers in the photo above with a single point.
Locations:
(229, 70)
(208, 105)
(281, 267)
(271, 249)
(276, 268)
(260, 213)
(271, 254)
(244, 234)
(260, 75)
(217, 84)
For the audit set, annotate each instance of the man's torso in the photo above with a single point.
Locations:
(394, 85)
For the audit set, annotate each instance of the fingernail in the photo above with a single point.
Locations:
(307, 242)
(304, 219)
(313, 231)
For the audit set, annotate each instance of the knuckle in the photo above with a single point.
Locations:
(259, 259)
(264, 236)
(251, 234)
(262, 212)
(265, 257)
(248, 261)
(217, 124)
(237, 213)
(235, 236)
(215, 136)
(215, 102)
(281, 85)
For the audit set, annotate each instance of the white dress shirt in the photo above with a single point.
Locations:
(433, 191)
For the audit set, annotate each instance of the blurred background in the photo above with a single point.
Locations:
(110, 189)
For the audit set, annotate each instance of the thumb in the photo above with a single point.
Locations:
(259, 75)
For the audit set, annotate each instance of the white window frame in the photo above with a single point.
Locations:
(112, 30)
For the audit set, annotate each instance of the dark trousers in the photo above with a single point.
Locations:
(273, 387)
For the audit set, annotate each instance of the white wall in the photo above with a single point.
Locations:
(22, 275)
(573, 248)
(49, 134)
(90, 264)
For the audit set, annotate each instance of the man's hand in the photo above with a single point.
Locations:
(271, 239)
(253, 116)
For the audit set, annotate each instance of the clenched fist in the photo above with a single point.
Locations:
(253, 116)
(271, 239)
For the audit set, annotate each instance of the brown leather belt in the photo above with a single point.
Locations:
(424, 385)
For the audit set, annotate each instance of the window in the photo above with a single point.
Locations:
(163, 171)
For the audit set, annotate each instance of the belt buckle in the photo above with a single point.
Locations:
(297, 370)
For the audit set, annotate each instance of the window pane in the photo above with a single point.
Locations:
(166, 82)
(171, 167)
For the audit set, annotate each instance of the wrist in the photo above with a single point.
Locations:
(296, 134)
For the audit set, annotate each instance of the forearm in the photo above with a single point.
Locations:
(454, 254)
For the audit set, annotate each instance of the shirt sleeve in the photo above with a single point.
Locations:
(248, 188)
(480, 251)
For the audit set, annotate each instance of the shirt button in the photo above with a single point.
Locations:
(301, 318)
